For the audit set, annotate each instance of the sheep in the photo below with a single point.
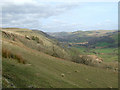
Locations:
(62, 75)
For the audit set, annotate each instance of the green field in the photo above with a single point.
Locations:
(108, 54)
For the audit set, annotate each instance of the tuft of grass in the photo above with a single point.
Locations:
(8, 54)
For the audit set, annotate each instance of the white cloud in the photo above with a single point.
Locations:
(67, 0)
(28, 12)
(17, 2)
(24, 1)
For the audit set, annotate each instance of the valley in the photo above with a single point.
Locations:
(35, 59)
(103, 43)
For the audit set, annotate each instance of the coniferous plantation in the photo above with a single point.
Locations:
(59, 44)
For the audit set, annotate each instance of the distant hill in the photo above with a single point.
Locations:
(107, 38)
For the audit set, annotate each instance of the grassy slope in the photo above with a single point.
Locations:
(46, 45)
(43, 70)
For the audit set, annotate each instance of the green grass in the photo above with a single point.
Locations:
(80, 49)
(45, 71)
(106, 50)
(109, 58)
(102, 44)
(109, 54)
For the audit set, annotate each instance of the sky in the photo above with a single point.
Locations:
(58, 16)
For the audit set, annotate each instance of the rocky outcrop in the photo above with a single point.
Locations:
(91, 58)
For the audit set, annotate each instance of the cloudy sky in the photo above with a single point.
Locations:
(57, 16)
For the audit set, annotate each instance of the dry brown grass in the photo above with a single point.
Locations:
(8, 54)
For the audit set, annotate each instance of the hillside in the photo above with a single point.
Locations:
(98, 38)
(102, 43)
(31, 59)
(36, 40)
